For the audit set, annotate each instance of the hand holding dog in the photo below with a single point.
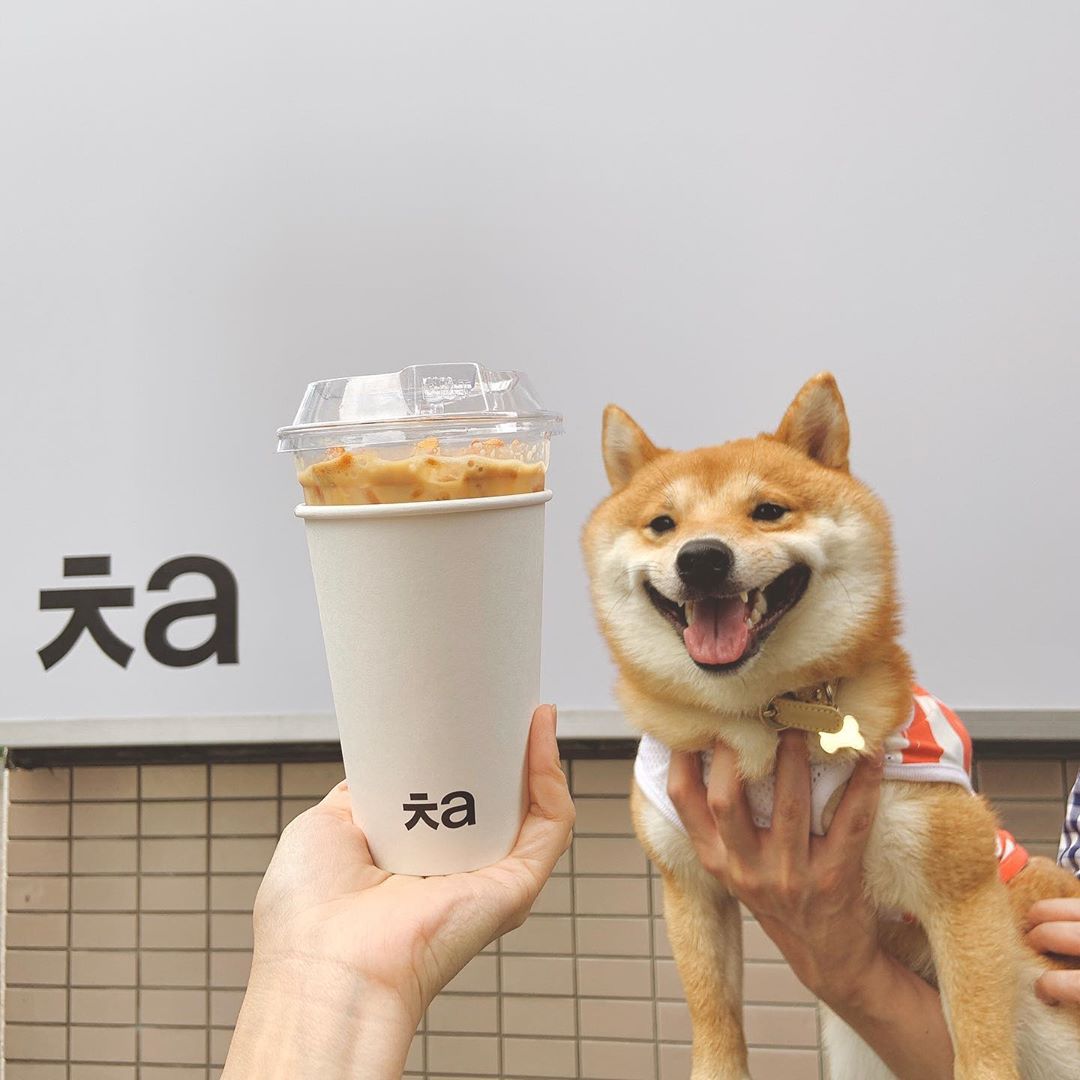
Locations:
(807, 893)
(1055, 928)
(347, 956)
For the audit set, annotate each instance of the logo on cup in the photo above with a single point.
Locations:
(459, 808)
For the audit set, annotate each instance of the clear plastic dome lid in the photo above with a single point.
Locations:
(417, 402)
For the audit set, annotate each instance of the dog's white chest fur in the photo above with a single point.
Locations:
(651, 774)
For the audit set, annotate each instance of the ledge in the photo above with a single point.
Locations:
(51, 757)
(593, 733)
(295, 729)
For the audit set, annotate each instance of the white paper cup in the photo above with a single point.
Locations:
(431, 618)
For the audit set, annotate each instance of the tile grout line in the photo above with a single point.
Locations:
(424, 1046)
(652, 971)
(280, 829)
(71, 889)
(280, 799)
(571, 881)
(820, 1049)
(4, 808)
(209, 951)
(425, 1061)
(500, 1068)
(138, 919)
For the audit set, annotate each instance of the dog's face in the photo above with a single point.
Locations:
(735, 572)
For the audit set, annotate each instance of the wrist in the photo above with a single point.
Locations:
(866, 993)
(860, 987)
(302, 1018)
(834, 973)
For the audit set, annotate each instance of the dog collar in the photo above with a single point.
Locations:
(835, 730)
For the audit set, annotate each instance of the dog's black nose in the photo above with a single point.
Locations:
(704, 564)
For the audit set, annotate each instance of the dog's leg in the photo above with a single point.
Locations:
(931, 853)
(978, 965)
(705, 929)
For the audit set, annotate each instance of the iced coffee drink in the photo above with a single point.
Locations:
(435, 433)
(486, 467)
(424, 499)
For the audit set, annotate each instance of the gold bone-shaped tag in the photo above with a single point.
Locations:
(847, 738)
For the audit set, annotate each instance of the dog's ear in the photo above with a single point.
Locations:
(626, 447)
(817, 424)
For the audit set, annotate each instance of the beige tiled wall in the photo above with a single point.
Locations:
(128, 934)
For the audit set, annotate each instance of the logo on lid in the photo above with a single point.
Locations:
(439, 389)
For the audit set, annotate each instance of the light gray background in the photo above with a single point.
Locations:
(684, 207)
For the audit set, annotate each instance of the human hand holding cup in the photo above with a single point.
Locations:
(347, 956)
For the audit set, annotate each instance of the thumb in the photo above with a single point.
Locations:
(545, 833)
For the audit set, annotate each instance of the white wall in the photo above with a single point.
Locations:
(687, 208)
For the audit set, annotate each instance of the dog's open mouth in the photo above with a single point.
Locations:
(723, 632)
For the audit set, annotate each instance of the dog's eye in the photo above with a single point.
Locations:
(662, 524)
(768, 512)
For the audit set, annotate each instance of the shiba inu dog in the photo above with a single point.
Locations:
(748, 587)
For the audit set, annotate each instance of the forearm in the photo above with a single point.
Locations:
(899, 1016)
(301, 1024)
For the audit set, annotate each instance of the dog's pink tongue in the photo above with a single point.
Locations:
(718, 634)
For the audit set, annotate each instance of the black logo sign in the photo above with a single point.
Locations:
(86, 607)
(459, 809)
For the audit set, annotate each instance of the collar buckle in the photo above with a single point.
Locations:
(815, 712)
(770, 715)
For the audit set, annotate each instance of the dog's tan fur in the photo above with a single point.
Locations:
(931, 846)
